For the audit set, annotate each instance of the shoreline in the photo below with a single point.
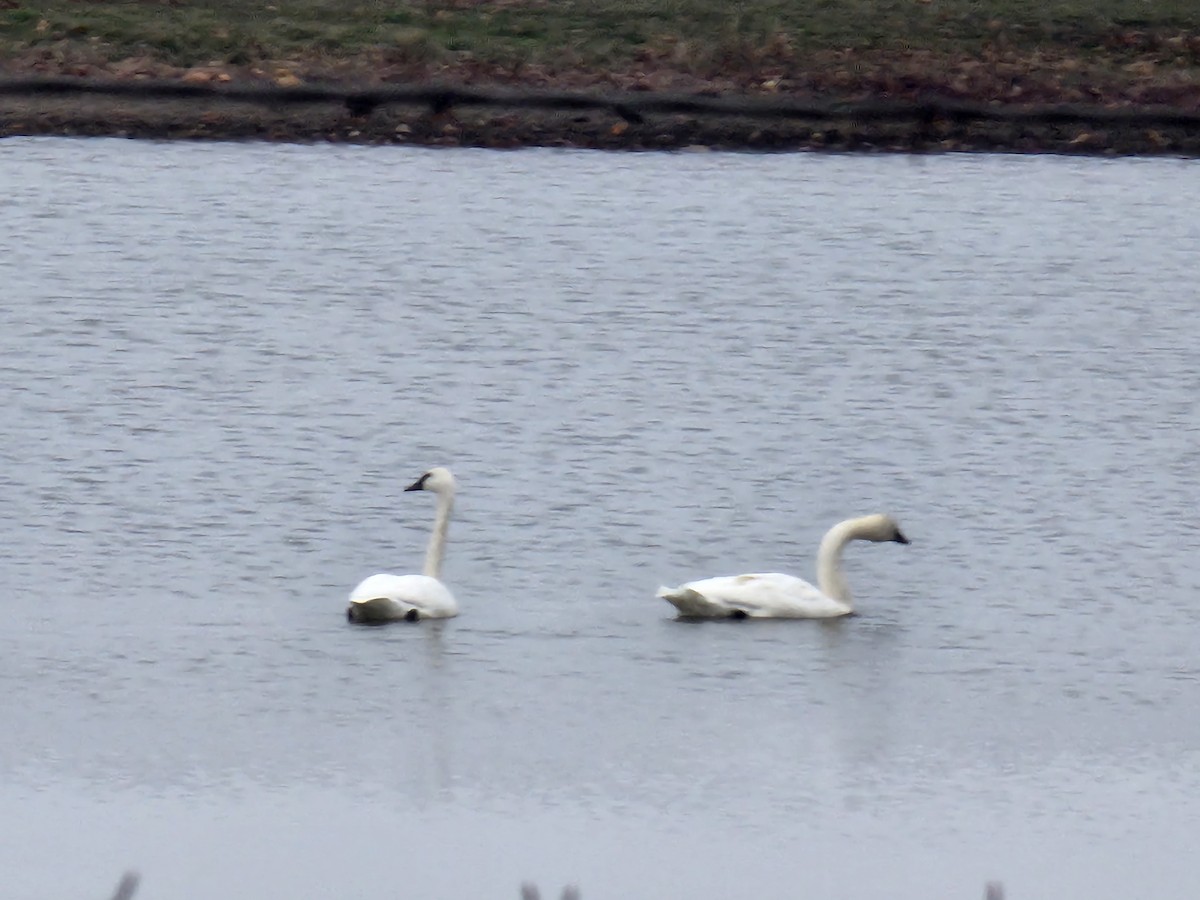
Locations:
(499, 127)
(1119, 58)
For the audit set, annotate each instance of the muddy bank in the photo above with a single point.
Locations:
(598, 129)
(999, 82)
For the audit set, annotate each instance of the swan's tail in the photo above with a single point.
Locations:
(378, 609)
(691, 603)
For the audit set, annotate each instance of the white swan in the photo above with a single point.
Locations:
(385, 598)
(785, 596)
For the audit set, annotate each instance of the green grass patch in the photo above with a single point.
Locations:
(593, 33)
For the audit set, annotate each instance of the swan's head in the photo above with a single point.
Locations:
(437, 479)
(879, 528)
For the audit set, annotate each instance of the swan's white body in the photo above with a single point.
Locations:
(386, 598)
(765, 596)
(775, 596)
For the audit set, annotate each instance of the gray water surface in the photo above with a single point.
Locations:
(221, 363)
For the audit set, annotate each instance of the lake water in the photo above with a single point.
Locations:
(221, 363)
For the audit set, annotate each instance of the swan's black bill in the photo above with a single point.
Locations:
(419, 484)
(900, 538)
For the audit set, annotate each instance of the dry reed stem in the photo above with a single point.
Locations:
(127, 886)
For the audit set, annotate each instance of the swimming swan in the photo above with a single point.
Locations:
(785, 596)
(385, 598)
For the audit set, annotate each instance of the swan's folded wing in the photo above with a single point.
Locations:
(693, 604)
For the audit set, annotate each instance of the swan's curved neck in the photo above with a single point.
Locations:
(436, 551)
(829, 561)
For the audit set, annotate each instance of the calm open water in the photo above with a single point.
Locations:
(221, 363)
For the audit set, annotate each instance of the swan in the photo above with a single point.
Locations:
(785, 596)
(386, 598)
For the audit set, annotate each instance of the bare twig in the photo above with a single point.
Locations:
(127, 886)
(529, 891)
